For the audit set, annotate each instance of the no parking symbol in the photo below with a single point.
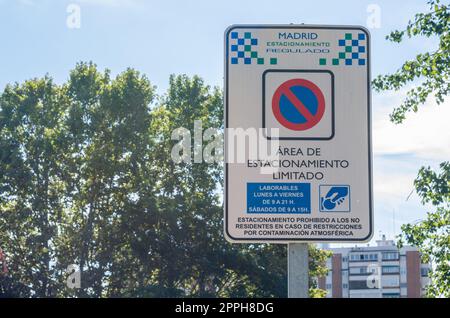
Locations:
(298, 104)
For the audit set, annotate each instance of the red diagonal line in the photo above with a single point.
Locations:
(298, 104)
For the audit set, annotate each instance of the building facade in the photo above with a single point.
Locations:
(381, 271)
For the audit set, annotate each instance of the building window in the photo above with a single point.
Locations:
(391, 295)
(424, 272)
(328, 286)
(362, 270)
(355, 270)
(364, 257)
(390, 269)
(360, 284)
(390, 256)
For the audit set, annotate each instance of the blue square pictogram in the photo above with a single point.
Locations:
(361, 36)
(361, 49)
(361, 62)
(234, 60)
(348, 62)
(341, 42)
(234, 35)
(334, 198)
(355, 55)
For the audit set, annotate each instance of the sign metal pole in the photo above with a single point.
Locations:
(298, 278)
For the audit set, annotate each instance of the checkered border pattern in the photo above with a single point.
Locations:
(353, 51)
(243, 49)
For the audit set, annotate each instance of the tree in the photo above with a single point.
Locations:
(431, 68)
(317, 268)
(30, 180)
(432, 235)
(109, 169)
(75, 181)
(432, 72)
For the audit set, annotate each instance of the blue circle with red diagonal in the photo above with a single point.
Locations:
(298, 104)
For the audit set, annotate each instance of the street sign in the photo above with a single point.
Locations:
(298, 134)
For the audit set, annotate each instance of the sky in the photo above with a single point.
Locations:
(143, 34)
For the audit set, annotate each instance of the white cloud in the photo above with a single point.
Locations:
(393, 188)
(425, 134)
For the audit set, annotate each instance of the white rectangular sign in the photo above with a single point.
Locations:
(298, 134)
